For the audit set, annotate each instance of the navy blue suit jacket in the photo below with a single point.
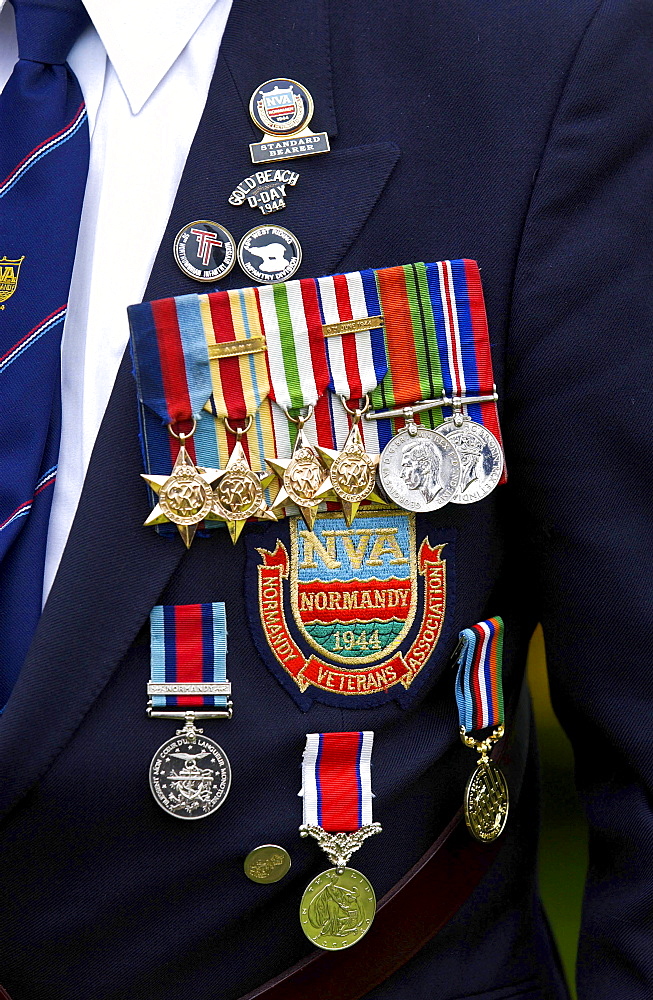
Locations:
(518, 134)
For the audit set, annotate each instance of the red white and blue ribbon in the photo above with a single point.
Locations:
(337, 781)
(479, 687)
(171, 357)
(463, 339)
(188, 653)
(357, 360)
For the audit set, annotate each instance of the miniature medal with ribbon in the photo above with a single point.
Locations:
(338, 906)
(479, 695)
(240, 382)
(419, 468)
(299, 375)
(464, 348)
(190, 775)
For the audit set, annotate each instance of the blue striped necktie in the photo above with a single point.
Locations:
(44, 149)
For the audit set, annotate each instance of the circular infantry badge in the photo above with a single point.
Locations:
(419, 471)
(190, 780)
(281, 107)
(267, 864)
(205, 250)
(337, 908)
(481, 459)
(486, 802)
(269, 253)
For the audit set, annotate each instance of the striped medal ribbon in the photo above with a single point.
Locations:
(355, 341)
(190, 775)
(466, 361)
(173, 379)
(479, 696)
(338, 906)
(299, 375)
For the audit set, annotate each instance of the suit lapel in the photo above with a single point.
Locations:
(113, 571)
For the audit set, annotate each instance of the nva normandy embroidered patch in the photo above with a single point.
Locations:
(348, 615)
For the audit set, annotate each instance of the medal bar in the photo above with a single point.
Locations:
(397, 342)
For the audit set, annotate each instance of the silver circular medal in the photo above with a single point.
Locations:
(190, 780)
(420, 471)
(481, 458)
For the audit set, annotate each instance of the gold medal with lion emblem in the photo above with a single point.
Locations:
(337, 908)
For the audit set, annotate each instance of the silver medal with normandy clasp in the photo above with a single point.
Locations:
(190, 775)
(419, 468)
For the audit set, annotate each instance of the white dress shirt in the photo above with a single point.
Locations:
(144, 67)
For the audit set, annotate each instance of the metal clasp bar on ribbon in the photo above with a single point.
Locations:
(188, 662)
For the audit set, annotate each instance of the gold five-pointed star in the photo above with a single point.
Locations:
(185, 496)
(352, 475)
(302, 476)
(238, 493)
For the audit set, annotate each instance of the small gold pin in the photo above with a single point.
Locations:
(267, 863)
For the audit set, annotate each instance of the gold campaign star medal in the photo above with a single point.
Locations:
(185, 496)
(352, 475)
(302, 477)
(238, 492)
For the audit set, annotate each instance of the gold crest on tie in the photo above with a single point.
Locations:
(9, 271)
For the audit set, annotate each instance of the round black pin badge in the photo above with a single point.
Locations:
(204, 250)
(269, 254)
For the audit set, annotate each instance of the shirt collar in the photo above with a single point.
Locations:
(143, 38)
